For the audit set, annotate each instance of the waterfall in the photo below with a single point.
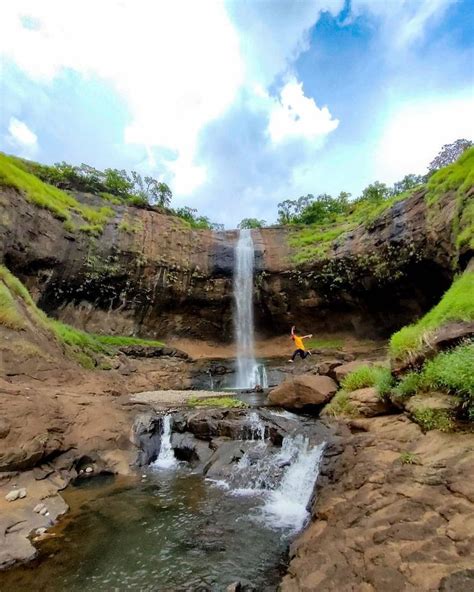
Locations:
(249, 373)
(257, 427)
(286, 506)
(166, 458)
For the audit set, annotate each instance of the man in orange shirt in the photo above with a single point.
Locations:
(300, 347)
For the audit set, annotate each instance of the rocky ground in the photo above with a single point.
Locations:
(394, 513)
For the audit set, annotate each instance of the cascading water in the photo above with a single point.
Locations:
(166, 458)
(249, 372)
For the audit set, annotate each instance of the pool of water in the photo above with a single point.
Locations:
(172, 531)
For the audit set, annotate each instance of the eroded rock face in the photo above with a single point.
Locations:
(297, 392)
(368, 403)
(166, 279)
(393, 513)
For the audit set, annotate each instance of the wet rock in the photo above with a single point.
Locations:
(38, 508)
(189, 448)
(303, 391)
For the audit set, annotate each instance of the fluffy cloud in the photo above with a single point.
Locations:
(298, 116)
(417, 130)
(21, 137)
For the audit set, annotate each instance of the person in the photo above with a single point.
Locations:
(299, 344)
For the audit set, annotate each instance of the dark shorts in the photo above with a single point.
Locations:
(300, 352)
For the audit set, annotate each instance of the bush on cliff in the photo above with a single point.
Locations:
(457, 304)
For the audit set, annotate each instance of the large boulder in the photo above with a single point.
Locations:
(367, 402)
(297, 392)
(340, 372)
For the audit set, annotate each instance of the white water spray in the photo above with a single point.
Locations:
(249, 373)
(166, 458)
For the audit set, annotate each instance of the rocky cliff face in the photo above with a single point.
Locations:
(150, 274)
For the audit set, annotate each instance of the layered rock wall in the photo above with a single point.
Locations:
(150, 274)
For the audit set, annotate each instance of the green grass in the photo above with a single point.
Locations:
(324, 343)
(457, 304)
(408, 385)
(80, 345)
(369, 376)
(225, 402)
(58, 202)
(340, 406)
(122, 341)
(9, 314)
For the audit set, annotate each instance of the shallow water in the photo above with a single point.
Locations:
(175, 531)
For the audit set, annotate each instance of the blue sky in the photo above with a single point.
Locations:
(238, 105)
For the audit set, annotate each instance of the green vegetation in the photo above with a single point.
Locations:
(130, 226)
(457, 304)
(78, 344)
(324, 343)
(457, 177)
(369, 376)
(252, 223)
(60, 203)
(434, 419)
(9, 314)
(453, 371)
(225, 402)
(408, 385)
(409, 458)
(191, 218)
(340, 405)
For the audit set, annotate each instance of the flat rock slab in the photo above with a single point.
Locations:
(173, 398)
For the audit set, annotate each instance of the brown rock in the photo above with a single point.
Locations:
(298, 391)
(4, 428)
(340, 372)
(368, 403)
(326, 367)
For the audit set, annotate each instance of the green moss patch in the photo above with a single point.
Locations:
(225, 402)
(369, 376)
(340, 406)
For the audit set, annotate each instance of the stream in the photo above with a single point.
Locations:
(177, 526)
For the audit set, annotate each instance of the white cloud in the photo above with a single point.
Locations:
(178, 64)
(417, 130)
(297, 116)
(21, 137)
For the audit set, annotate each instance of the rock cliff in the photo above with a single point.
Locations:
(150, 274)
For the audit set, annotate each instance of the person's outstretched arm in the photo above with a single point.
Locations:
(307, 336)
(293, 330)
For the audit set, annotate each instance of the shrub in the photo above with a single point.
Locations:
(433, 419)
(408, 458)
(9, 315)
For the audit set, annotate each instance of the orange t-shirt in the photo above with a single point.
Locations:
(298, 342)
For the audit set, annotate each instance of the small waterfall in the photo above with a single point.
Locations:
(249, 373)
(166, 458)
(286, 506)
(257, 427)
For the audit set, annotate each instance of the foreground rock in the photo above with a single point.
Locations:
(298, 392)
(395, 513)
(368, 403)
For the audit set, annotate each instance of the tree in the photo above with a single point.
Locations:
(151, 190)
(118, 182)
(449, 153)
(252, 223)
(408, 182)
(290, 209)
(375, 192)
